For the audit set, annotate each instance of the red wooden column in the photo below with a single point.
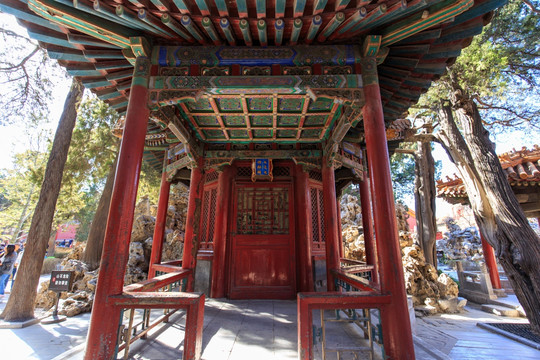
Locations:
(330, 222)
(161, 220)
(491, 263)
(305, 263)
(220, 233)
(193, 220)
(367, 224)
(104, 322)
(397, 335)
(340, 233)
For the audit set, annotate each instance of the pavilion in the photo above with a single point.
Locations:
(266, 109)
(522, 168)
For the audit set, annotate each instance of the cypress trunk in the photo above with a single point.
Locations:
(497, 212)
(96, 235)
(424, 195)
(20, 306)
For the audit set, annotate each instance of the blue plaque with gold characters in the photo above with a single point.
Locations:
(261, 169)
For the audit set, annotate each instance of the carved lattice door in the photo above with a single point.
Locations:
(262, 261)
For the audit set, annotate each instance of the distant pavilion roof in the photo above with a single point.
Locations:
(523, 170)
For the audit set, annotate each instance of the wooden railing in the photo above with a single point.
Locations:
(161, 292)
(356, 291)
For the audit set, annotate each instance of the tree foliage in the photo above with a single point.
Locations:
(489, 87)
(499, 70)
(25, 70)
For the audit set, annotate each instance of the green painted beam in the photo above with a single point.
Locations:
(59, 39)
(95, 83)
(58, 53)
(20, 11)
(86, 23)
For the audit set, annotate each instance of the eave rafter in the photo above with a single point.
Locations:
(94, 41)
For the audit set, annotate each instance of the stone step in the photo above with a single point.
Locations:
(501, 310)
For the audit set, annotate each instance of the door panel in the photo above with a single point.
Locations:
(262, 256)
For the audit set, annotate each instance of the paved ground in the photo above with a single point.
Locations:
(261, 330)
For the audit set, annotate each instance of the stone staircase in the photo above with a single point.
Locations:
(508, 306)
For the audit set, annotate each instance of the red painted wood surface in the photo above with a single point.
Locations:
(191, 246)
(340, 235)
(491, 263)
(220, 233)
(307, 302)
(330, 223)
(161, 220)
(303, 240)
(396, 325)
(193, 303)
(102, 334)
(263, 255)
(367, 224)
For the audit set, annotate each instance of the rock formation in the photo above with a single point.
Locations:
(431, 293)
(80, 299)
(460, 244)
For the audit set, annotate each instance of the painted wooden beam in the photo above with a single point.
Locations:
(222, 7)
(260, 6)
(341, 4)
(270, 154)
(210, 30)
(332, 25)
(110, 93)
(241, 5)
(112, 65)
(176, 27)
(246, 33)
(155, 23)
(160, 5)
(280, 8)
(192, 28)
(261, 30)
(105, 9)
(133, 18)
(181, 6)
(318, 6)
(118, 75)
(279, 25)
(60, 53)
(295, 34)
(226, 28)
(370, 18)
(95, 83)
(349, 23)
(80, 70)
(88, 40)
(89, 7)
(314, 26)
(436, 15)
(51, 38)
(20, 11)
(203, 7)
(298, 8)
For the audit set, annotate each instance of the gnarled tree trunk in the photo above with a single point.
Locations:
(495, 207)
(424, 196)
(94, 243)
(20, 306)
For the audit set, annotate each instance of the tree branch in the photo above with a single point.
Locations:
(531, 6)
(22, 63)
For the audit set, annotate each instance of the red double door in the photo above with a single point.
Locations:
(262, 260)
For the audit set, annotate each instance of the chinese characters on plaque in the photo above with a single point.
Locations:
(261, 169)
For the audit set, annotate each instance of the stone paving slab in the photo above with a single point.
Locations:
(264, 329)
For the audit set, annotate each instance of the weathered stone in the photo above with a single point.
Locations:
(84, 282)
